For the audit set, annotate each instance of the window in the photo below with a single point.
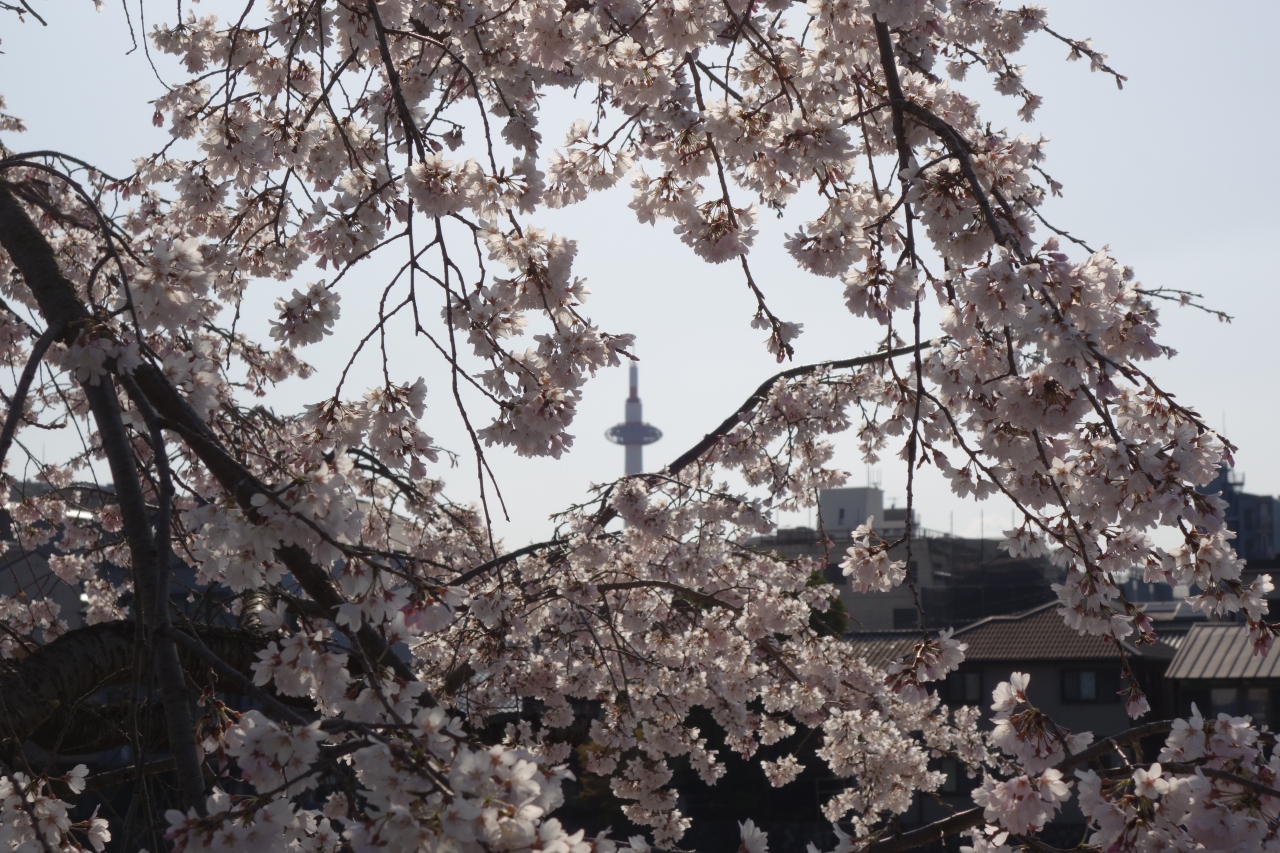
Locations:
(1254, 703)
(964, 688)
(840, 522)
(835, 575)
(1240, 701)
(1222, 700)
(905, 617)
(1091, 686)
(951, 768)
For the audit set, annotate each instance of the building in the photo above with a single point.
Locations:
(1076, 679)
(25, 576)
(846, 509)
(960, 580)
(1216, 670)
(1255, 519)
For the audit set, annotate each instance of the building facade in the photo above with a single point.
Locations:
(1255, 519)
(959, 580)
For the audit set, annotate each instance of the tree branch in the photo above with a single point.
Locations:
(18, 401)
(709, 440)
(968, 819)
(241, 484)
(62, 308)
(762, 393)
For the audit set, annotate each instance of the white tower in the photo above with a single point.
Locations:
(634, 433)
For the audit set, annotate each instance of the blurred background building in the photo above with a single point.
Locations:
(960, 580)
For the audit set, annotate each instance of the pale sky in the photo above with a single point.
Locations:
(1161, 172)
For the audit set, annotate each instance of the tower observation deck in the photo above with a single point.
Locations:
(634, 433)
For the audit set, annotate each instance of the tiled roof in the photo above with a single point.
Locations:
(1173, 611)
(884, 647)
(1038, 634)
(1221, 651)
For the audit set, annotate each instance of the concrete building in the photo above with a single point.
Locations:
(1255, 519)
(846, 509)
(959, 580)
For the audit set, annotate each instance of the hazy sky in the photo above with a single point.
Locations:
(1161, 172)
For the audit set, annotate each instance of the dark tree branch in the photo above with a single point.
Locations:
(62, 308)
(939, 829)
(237, 679)
(704, 444)
(18, 402)
(472, 574)
(953, 140)
(411, 132)
(896, 99)
(762, 393)
(127, 774)
(58, 300)
(961, 821)
(242, 485)
(180, 722)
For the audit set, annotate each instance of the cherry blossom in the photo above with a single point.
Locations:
(303, 581)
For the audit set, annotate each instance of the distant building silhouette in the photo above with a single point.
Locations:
(1255, 519)
(959, 580)
(633, 433)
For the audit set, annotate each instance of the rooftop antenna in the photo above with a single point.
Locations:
(633, 433)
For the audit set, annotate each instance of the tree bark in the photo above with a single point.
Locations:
(59, 302)
(61, 307)
(242, 485)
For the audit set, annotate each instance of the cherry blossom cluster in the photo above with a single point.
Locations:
(1211, 788)
(32, 817)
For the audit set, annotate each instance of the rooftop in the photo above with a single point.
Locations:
(1214, 651)
(1038, 634)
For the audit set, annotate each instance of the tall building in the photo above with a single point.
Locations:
(633, 433)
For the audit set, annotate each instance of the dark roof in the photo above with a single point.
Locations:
(1180, 611)
(1038, 634)
(1221, 651)
(884, 647)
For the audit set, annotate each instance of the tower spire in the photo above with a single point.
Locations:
(633, 433)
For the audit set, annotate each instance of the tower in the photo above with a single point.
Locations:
(634, 433)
